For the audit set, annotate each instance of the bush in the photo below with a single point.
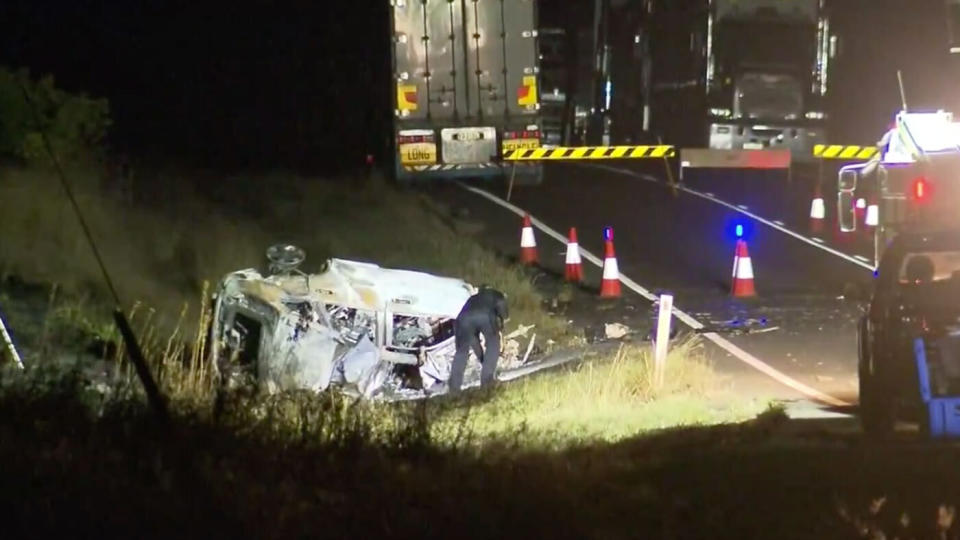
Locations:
(75, 123)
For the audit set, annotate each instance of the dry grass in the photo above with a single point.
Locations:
(608, 398)
(165, 259)
(529, 457)
(160, 254)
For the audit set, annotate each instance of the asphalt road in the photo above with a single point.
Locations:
(685, 245)
(777, 197)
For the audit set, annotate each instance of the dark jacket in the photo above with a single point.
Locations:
(490, 302)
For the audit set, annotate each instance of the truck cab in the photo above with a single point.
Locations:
(739, 74)
(767, 74)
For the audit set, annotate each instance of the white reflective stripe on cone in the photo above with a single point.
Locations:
(526, 238)
(610, 270)
(745, 269)
(817, 209)
(873, 215)
(735, 261)
(573, 253)
(861, 203)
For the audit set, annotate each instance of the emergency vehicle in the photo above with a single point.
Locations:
(911, 184)
(909, 338)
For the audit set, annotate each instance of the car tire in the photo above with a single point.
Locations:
(877, 418)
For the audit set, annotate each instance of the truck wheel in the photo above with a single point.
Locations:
(877, 418)
(876, 408)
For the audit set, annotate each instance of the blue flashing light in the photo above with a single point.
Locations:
(608, 234)
(738, 229)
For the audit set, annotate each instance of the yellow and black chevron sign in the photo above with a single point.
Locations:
(840, 151)
(590, 152)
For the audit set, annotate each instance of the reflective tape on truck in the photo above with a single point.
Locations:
(591, 152)
(840, 151)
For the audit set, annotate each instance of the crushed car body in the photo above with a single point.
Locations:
(370, 331)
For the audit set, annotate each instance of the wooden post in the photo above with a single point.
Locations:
(666, 166)
(662, 339)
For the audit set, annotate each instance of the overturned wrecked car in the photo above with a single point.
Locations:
(366, 330)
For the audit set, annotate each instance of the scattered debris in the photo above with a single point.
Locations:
(520, 332)
(616, 330)
(764, 330)
(529, 348)
(738, 327)
(509, 350)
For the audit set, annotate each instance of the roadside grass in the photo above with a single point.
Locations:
(543, 453)
(290, 466)
(606, 398)
(165, 260)
(160, 254)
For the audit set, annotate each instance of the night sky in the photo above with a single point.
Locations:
(247, 84)
(306, 85)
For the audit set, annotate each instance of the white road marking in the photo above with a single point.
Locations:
(742, 207)
(816, 239)
(747, 213)
(688, 320)
(780, 223)
(708, 194)
(862, 258)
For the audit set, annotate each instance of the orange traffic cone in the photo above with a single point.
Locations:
(818, 212)
(742, 272)
(610, 286)
(528, 244)
(574, 265)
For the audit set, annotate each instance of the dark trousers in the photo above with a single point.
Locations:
(468, 332)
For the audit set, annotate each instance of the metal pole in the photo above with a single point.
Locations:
(876, 246)
(513, 174)
(666, 166)
(820, 173)
(8, 343)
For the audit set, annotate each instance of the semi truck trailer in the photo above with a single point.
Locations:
(466, 88)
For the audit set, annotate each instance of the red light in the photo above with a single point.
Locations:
(920, 189)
